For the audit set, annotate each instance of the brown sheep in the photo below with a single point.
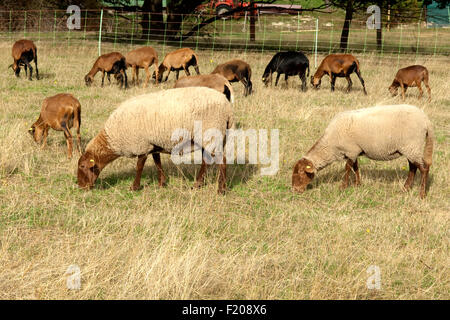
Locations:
(338, 65)
(24, 52)
(142, 58)
(114, 63)
(411, 76)
(60, 112)
(236, 70)
(213, 81)
(177, 60)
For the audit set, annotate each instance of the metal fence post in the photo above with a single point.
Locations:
(39, 25)
(315, 43)
(181, 36)
(84, 33)
(298, 31)
(264, 35)
(399, 45)
(115, 29)
(54, 30)
(25, 26)
(100, 34)
(331, 36)
(10, 20)
(132, 30)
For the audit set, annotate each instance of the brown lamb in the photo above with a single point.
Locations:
(142, 58)
(338, 65)
(60, 112)
(177, 60)
(236, 70)
(108, 63)
(411, 76)
(24, 52)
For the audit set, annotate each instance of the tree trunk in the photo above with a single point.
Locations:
(252, 22)
(152, 19)
(346, 28)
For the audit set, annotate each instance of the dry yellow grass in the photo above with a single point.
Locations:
(260, 241)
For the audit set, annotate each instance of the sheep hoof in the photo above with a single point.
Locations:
(135, 187)
(222, 191)
(197, 185)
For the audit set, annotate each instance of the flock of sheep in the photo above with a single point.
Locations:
(143, 125)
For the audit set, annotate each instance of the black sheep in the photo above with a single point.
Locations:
(291, 63)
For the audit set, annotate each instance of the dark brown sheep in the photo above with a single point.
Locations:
(114, 63)
(24, 52)
(411, 76)
(142, 58)
(177, 60)
(60, 112)
(338, 65)
(236, 70)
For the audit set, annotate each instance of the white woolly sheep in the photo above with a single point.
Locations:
(145, 124)
(379, 133)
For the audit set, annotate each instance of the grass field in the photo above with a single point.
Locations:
(259, 241)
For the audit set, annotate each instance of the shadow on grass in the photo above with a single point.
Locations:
(378, 175)
(236, 174)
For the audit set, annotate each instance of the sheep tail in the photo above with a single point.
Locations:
(428, 150)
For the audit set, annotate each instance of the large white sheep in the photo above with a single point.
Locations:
(379, 133)
(145, 125)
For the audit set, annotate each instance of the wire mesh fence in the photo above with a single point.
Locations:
(108, 29)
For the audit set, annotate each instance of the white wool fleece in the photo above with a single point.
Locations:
(380, 133)
(143, 122)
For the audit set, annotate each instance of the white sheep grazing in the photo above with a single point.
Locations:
(145, 124)
(379, 133)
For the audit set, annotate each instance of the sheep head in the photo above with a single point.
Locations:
(393, 89)
(315, 82)
(88, 80)
(304, 172)
(88, 171)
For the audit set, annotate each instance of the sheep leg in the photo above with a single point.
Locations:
(286, 80)
(26, 69)
(356, 170)
(186, 70)
(161, 176)
(108, 75)
(420, 89)
(303, 79)
(137, 76)
(348, 168)
(201, 175)
(156, 72)
(68, 139)
(350, 83)
(31, 69)
(403, 89)
(424, 169)
(37, 71)
(412, 173)
(276, 80)
(222, 176)
(77, 120)
(197, 70)
(124, 78)
(246, 86)
(139, 167)
(425, 81)
(45, 134)
(147, 78)
(133, 75)
(362, 80)
(103, 78)
(333, 81)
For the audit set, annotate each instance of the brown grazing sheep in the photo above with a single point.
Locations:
(338, 65)
(114, 63)
(236, 70)
(24, 52)
(60, 112)
(177, 60)
(411, 76)
(142, 58)
(213, 81)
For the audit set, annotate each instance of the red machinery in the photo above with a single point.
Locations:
(221, 7)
